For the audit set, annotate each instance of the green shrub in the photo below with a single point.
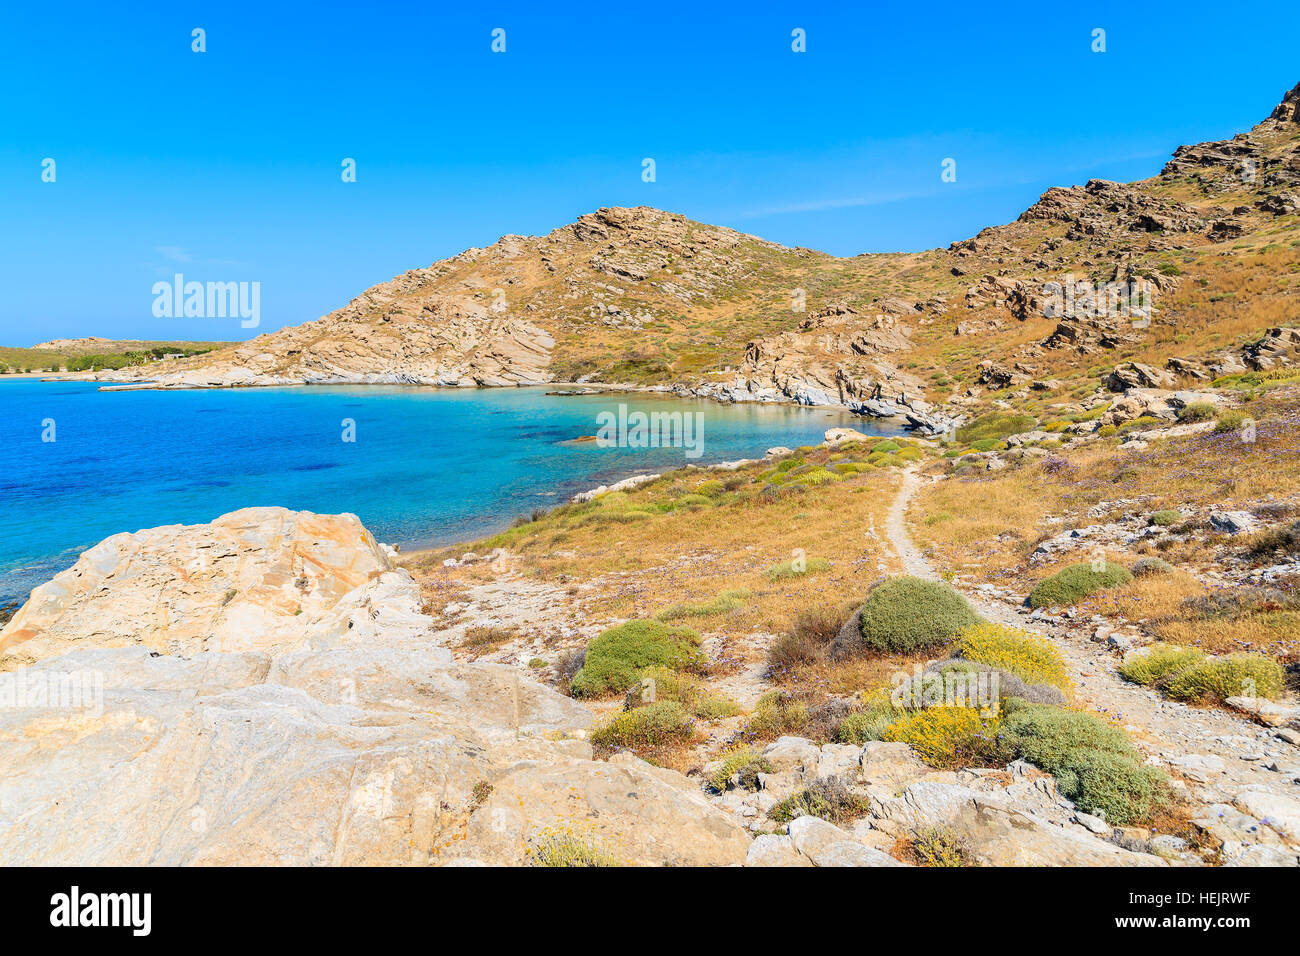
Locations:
(1229, 421)
(1075, 582)
(1121, 788)
(716, 707)
(724, 603)
(817, 476)
(1198, 412)
(995, 425)
(1146, 567)
(655, 684)
(1161, 661)
(988, 444)
(1166, 517)
(745, 761)
(775, 715)
(906, 614)
(617, 656)
(1094, 763)
(826, 798)
(868, 724)
(1218, 678)
(787, 569)
(1141, 422)
(882, 447)
(710, 489)
(651, 725)
(693, 502)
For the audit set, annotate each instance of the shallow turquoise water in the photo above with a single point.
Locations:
(428, 466)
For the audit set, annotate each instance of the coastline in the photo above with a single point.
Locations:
(924, 420)
(397, 516)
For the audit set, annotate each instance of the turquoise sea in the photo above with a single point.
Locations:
(428, 466)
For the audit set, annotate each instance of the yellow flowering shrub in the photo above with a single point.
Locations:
(566, 845)
(948, 737)
(1033, 659)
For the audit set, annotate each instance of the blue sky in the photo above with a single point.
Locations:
(225, 165)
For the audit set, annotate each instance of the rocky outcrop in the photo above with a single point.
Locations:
(1020, 297)
(839, 436)
(379, 339)
(1265, 159)
(1012, 816)
(1279, 347)
(1104, 209)
(252, 580)
(1188, 368)
(1288, 111)
(1153, 403)
(1088, 336)
(316, 723)
(1136, 375)
(837, 356)
(996, 375)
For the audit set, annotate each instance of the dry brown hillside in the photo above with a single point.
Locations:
(645, 297)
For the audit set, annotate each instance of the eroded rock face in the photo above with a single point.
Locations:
(836, 356)
(1136, 375)
(1021, 298)
(1108, 209)
(378, 339)
(1279, 347)
(1154, 403)
(1088, 336)
(254, 579)
(185, 732)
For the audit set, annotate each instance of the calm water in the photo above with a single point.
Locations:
(429, 466)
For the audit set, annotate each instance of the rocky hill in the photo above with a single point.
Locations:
(650, 298)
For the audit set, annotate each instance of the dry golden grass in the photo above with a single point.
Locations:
(819, 680)
(979, 519)
(989, 522)
(642, 562)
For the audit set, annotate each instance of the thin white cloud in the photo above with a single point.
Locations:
(174, 253)
(820, 205)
